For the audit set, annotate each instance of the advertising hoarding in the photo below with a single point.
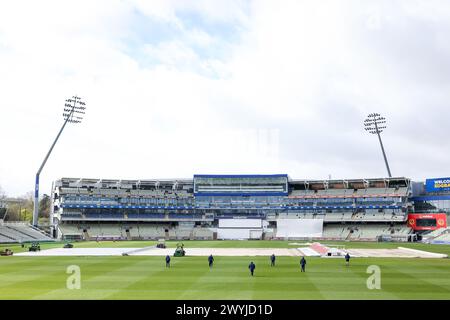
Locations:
(438, 184)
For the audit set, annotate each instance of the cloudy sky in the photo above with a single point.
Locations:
(175, 88)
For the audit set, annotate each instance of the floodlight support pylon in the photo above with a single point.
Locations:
(36, 185)
(382, 149)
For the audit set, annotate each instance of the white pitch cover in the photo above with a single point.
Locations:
(299, 228)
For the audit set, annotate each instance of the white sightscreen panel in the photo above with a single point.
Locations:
(239, 223)
(233, 234)
(299, 228)
(256, 234)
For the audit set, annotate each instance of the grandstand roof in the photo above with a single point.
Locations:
(316, 184)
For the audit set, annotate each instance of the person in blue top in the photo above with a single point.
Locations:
(167, 261)
(347, 259)
(272, 260)
(252, 267)
(210, 261)
(303, 264)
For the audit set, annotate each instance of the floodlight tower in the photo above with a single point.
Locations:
(74, 110)
(375, 124)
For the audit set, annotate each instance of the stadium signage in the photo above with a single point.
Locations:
(429, 221)
(439, 184)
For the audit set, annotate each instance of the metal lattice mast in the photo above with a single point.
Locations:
(375, 124)
(74, 109)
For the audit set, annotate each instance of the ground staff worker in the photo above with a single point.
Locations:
(347, 259)
(303, 264)
(252, 267)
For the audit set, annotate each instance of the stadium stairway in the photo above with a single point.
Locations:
(349, 236)
(445, 237)
(436, 233)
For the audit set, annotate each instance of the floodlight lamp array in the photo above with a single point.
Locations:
(375, 123)
(74, 109)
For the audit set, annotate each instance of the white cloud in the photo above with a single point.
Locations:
(302, 73)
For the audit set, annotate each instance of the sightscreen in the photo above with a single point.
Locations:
(299, 228)
(238, 233)
(240, 223)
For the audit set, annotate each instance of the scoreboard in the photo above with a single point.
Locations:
(427, 221)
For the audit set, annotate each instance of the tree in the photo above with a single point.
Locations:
(21, 208)
(44, 206)
(17, 211)
(29, 200)
(2, 198)
(2, 203)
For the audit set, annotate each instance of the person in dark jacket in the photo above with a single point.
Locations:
(347, 259)
(167, 261)
(303, 264)
(252, 267)
(272, 260)
(210, 261)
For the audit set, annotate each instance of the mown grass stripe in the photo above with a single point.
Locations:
(139, 277)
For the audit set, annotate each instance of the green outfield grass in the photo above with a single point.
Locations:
(136, 277)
